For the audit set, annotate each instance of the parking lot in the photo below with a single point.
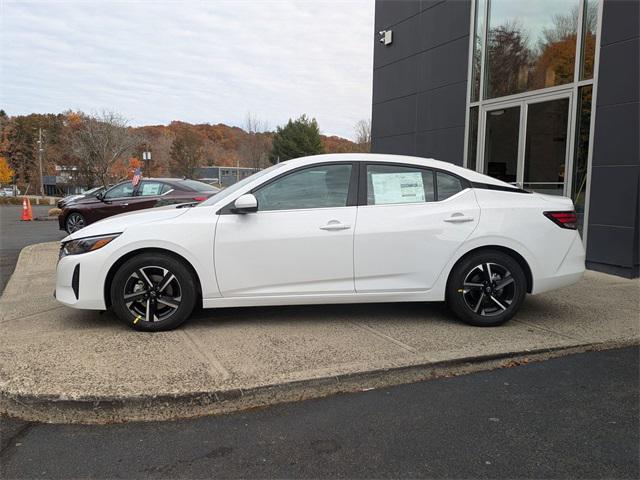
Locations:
(61, 364)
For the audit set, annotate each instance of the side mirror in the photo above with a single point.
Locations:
(245, 204)
(100, 196)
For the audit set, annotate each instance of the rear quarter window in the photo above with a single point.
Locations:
(448, 185)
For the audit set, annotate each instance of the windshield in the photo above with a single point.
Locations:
(237, 186)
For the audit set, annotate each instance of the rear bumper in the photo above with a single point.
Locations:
(570, 270)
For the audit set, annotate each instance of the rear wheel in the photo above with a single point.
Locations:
(153, 292)
(486, 288)
(75, 221)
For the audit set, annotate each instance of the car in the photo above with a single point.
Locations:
(125, 197)
(9, 192)
(327, 229)
(93, 192)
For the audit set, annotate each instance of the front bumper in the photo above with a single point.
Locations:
(79, 281)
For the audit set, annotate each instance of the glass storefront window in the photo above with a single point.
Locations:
(581, 152)
(473, 138)
(481, 6)
(545, 150)
(530, 45)
(501, 144)
(590, 25)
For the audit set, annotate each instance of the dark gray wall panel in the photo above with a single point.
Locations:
(390, 12)
(426, 4)
(404, 43)
(443, 107)
(614, 230)
(396, 80)
(446, 145)
(618, 78)
(616, 189)
(394, 117)
(625, 15)
(445, 22)
(619, 242)
(616, 140)
(397, 145)
(442, 66)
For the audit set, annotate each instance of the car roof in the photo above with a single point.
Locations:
(470, 175)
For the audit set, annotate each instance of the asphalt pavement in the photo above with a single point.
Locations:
(572, 417)
(15, 235)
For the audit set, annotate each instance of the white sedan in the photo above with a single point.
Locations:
(348, 228)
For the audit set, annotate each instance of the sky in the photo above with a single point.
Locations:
(195, 61)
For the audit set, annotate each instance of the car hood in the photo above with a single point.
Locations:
(119, 223)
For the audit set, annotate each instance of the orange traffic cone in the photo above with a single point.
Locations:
(27, 213)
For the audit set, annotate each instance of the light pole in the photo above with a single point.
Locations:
(146, 157)
(40, 149)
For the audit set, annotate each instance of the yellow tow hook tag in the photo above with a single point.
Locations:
(137, 319)
(460, 290)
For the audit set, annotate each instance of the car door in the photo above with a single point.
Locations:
(146, 195)
(410, 222)
(300, 240)
(115, 201)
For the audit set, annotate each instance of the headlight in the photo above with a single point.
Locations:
(84, 245)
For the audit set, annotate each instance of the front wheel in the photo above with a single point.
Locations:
(153, 292)
(486, 289)
(75, 221)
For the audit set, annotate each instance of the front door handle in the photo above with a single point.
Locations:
(335, 225)
(458, 218)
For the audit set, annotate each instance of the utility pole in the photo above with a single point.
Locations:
(40, 161)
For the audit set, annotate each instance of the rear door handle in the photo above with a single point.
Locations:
(458, 218)
(335, 225)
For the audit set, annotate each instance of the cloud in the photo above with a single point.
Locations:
(211, 62)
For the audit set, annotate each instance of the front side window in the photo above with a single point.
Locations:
(390, 184)
(120, 191)
(321, 186)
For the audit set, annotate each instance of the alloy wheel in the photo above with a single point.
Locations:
(152, 294)
(489, 289)
(75, 222)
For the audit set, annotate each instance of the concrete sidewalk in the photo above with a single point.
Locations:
(58, 364)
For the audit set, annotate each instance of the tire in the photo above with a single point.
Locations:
(483, 302)
(165, 304)
(74, 222)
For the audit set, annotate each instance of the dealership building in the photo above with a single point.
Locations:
(543, 94)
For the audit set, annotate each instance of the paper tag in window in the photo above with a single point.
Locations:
(406, 187)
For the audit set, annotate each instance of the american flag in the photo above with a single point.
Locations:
(137, 175)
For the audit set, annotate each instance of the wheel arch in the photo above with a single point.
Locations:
(118, 263)
(526, 268)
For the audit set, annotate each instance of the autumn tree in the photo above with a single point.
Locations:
(298, 138)
(186, 152)
(6, 172)
(100, 142)
(255, 148)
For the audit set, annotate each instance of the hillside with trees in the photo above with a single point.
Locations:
(103, 148)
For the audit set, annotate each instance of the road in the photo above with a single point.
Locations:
(17, 234)
(571, 417)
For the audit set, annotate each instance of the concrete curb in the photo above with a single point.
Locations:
(102, 410)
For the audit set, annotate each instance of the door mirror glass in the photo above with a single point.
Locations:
(100, 196)
(245, 204)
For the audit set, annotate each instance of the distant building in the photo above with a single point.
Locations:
(64, 182)
(222, 176)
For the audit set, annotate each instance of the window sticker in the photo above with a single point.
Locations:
(405, 187)
(150, 189)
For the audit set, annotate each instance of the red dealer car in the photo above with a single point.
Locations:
(124, 197)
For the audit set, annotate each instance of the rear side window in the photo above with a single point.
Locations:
(448, 185)
(150, 189)
(391, 184)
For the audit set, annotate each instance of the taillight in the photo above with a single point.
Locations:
(200, 199)
(563, 219)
